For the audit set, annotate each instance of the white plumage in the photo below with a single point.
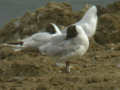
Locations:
(37, 39)
(89, 21)
(75, 42)
(65, 47)
(41, 38)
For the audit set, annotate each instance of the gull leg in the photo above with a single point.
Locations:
(67, 66)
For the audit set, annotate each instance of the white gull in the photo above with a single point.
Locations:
(42, 38)
(37, 39)
(88, 22)
(75, 43)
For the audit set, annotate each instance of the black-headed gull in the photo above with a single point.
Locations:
(75, 42)
(37, 39)
(42, 38)
(88, 22)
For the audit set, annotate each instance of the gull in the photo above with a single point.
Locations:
(88, 22)
(37, 39)
(75, 42)
(41, 38)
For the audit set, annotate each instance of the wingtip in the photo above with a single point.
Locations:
(94, 7)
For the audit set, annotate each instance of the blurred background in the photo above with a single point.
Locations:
(14, 8)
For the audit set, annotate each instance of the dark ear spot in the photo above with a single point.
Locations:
(71, 32)
(50, 29)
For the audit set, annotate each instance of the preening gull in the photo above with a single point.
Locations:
(41, 38)
(75, 43)
(37, 39)
(88, 22)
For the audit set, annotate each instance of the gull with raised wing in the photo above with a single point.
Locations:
(88, 22)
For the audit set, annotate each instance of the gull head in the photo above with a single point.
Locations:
(71, 32)
(77, 32)
(74, 31)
